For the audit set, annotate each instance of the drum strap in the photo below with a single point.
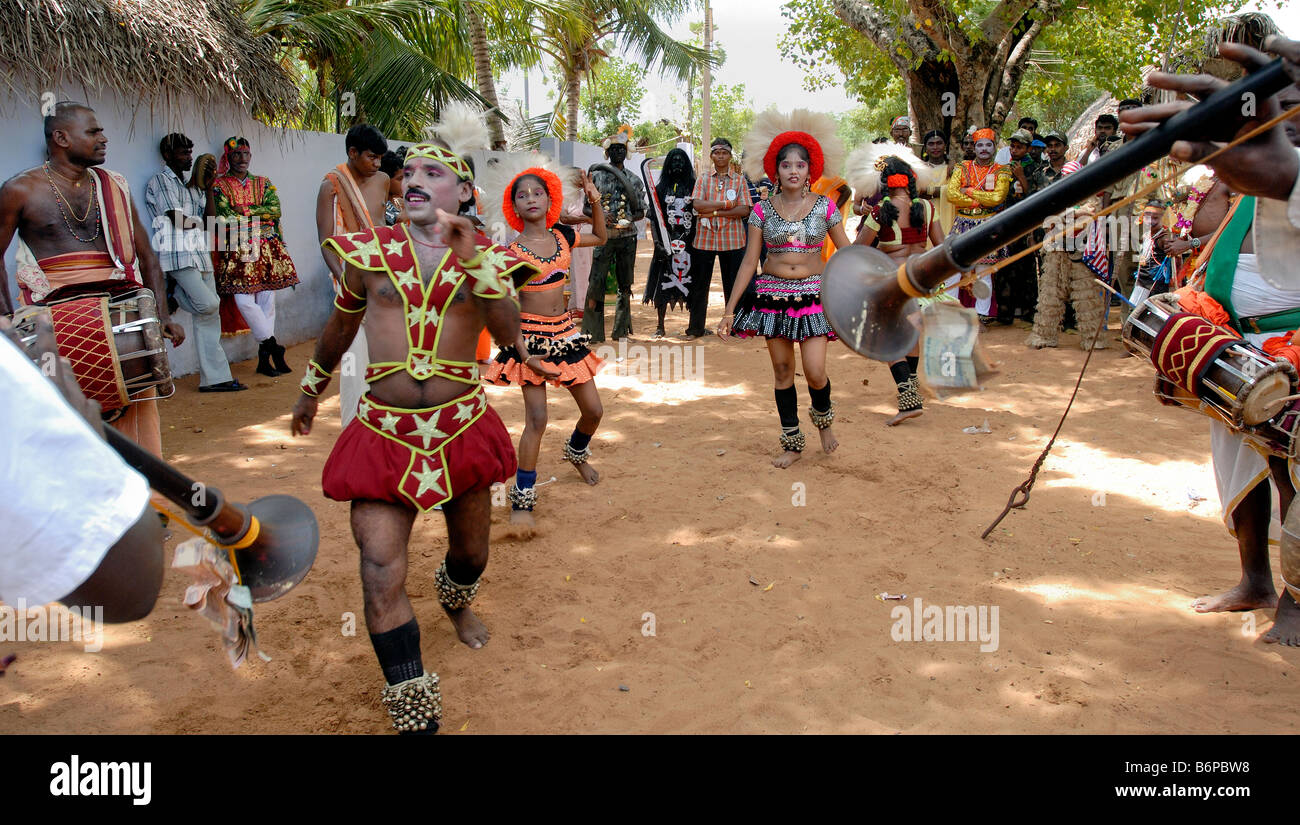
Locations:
(1221, 268)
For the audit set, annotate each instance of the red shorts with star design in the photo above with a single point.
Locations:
(419, 458)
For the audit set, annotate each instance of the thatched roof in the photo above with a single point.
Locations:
(164, 52)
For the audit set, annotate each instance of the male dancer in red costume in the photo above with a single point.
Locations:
(424, 434)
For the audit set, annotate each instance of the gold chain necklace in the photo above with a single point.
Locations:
(61, 202)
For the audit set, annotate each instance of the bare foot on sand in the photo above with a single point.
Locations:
(587, 472)
(902, 416)
(470, 630)
(829, 441)
(522, 524)
(785, 459)
(1286, 624)
(1241, 597)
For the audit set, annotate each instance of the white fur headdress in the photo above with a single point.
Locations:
(502, 168)
(862, 170)
(770, 125)
(464, 129)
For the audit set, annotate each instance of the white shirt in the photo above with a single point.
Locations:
(65, 496)
(1293, 204)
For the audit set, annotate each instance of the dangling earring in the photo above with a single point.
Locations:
(806, 188)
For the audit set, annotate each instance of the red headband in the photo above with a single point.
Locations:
(985, 134)
(814, 149)
(896, 181)
(554, 189)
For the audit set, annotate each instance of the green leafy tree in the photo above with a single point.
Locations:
(731, 114)
(611, 98)
(963, 62)
(573, 42)
(391, 62)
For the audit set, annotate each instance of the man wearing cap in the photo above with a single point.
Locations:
(622, 196)
(901, 130)
(1025, 124)
(721, 199)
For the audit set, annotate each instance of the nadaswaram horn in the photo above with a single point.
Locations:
(865, 293)
(274, 539)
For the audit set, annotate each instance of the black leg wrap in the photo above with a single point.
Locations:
(912, 362)
(822, 411)
(398, 651)
(787, 405)
(901, 371)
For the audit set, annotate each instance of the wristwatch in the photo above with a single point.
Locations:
(1196, 243)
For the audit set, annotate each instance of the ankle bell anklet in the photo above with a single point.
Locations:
(414, 704)
(576, 457)
(794, 441)
(522, 499)
(454, 596)
(822, 420)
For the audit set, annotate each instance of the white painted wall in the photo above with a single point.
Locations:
(295, 161)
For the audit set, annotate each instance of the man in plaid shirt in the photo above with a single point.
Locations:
(721, 199)
(182, 246)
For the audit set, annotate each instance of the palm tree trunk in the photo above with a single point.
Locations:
(483, 75)
(572, 85)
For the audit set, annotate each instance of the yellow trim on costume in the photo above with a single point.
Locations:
(433, 151)
(430, 453)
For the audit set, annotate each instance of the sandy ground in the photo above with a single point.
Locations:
(1092, 582)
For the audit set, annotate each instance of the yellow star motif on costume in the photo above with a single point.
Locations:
(363, 409)
(367, 249)
(464, 412)
(450, 276)
(421, 368)
(429, 479)
(427, 428)
(394, 248)
(389, 423)
(413, 316)
(493, 261)
(406, 277)
(313, 379)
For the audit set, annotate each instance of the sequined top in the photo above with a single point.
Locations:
(806, 235)
(555, 269)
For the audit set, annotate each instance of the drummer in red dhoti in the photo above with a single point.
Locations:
(79, 233)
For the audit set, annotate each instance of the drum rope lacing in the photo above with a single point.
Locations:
(1024, 488)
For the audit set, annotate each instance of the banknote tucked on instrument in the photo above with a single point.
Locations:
(952, 361)
(217, 596)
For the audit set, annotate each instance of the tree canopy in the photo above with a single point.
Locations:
(989, 58)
